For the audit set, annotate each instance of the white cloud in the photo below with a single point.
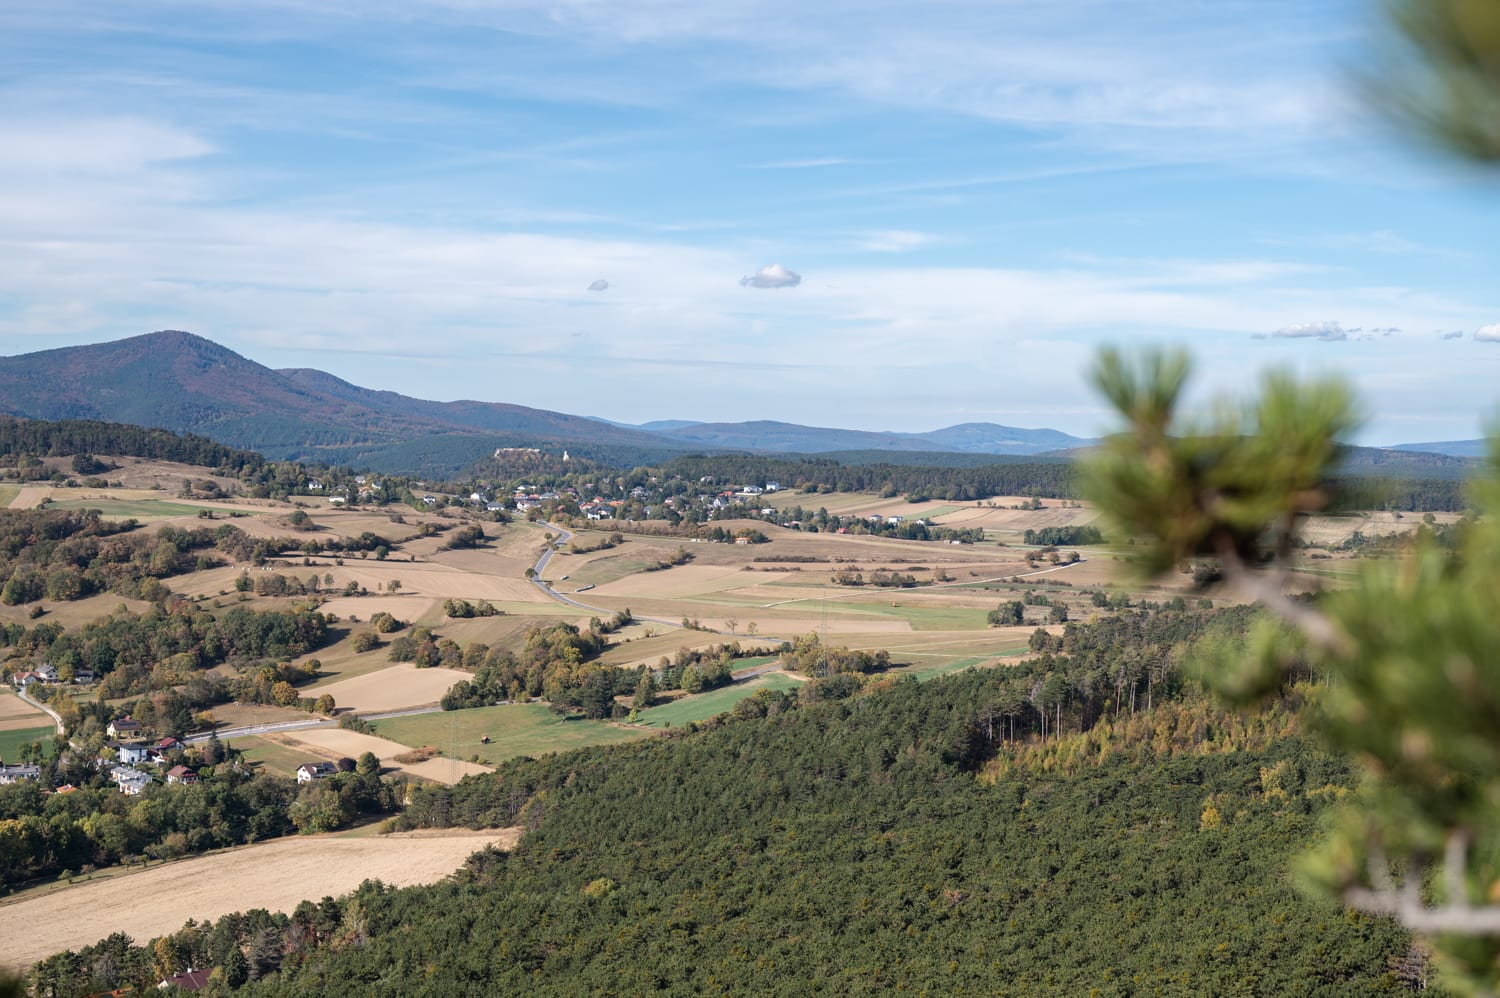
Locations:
(600, 285)
(774, 276)
(1327, 331)
(1489, 333)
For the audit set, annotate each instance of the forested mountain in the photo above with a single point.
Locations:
(1453, 448)
(182, 382)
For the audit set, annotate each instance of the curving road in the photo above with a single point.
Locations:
(56, 717)
(564, 537)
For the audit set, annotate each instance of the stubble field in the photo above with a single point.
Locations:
(275, 875)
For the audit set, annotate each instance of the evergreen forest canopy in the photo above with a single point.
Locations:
(864, 837)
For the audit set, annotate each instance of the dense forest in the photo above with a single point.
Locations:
(66, 437)
(841, 846)
(864, 835)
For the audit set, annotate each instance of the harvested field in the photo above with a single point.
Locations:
(336, 743)
(436, 580)
(74, 613)
(155, 901)
(682, 581)
(17, 713)
(396, 687)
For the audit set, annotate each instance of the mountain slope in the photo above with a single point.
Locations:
(186, 383)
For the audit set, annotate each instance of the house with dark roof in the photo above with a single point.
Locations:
(309, 771)
(181, 774)
(193, 980)
(13, 774)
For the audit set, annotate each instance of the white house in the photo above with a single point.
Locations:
(129, 781)
(309, 771)
(131, 753)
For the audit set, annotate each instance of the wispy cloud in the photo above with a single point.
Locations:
(1327, 331)
(600, 285)
(894, 241)
(804, 164)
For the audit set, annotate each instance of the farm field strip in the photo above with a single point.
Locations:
(332, 744)
(513, 729)
(275, 875)
(13, 708)
(11, 740)
(395, 687)
(701, 707)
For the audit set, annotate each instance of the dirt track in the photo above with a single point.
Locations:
(275, 875)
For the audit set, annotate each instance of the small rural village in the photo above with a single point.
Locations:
(357, 642)
(560, 498)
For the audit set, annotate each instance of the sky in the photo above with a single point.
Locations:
(874, 215)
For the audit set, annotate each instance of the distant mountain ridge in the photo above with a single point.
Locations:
(1452, 448)
(776, 437)
(183, 382)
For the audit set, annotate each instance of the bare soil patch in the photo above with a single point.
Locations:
(276, 876)
(400, 686)
(17, 713)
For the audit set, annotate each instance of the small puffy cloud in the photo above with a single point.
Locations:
(1489, 334)
(600, 285)
(1327, 331)
(1457, 334)
(774, 276)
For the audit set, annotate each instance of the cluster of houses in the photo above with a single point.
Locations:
(47, 676)
(131, 751)
(367, 489)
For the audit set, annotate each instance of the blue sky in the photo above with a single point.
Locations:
(875, 215)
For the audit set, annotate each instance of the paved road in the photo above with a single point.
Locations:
(563, 538)
(257, 729)
(56, 718)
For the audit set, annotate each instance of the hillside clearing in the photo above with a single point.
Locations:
(513, 730)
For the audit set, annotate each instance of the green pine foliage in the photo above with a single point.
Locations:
(846, 847)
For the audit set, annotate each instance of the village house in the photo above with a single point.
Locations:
(123, 726)
(309, 771)
(130, 753)
(13, 774)
(182, 775)
(130, 782)
(191, 980)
